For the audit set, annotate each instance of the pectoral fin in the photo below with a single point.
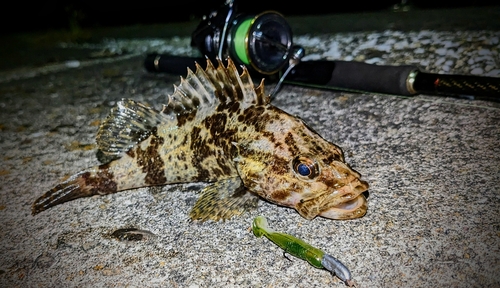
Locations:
(222, 200)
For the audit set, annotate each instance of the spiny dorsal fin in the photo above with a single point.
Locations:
(197, 95)
(128, 123)
(205, 89)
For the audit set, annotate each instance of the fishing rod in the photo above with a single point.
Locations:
(263, 43)
(406, 80)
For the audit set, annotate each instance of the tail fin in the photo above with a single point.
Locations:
(95, 181)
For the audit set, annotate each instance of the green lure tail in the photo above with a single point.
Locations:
(300, 249)
(292, 245)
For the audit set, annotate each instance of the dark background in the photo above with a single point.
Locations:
(23, 16)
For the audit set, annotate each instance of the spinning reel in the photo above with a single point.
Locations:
(261, 42)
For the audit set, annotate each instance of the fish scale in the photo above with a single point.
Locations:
(217, 127)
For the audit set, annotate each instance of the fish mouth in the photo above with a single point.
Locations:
(351, 209)
(347, 202)
(355, 207)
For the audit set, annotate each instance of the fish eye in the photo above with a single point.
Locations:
(305, 166)
(303, 169)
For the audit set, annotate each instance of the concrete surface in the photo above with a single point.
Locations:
(433, 164)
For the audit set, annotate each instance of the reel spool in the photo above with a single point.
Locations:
(262, 42)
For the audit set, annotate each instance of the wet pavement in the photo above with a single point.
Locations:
(433, 164)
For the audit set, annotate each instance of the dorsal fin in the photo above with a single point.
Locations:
(128, 123)
(205, 89)
(196, 97)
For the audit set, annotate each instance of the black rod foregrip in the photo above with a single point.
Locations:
(163, 63)
(354, 76)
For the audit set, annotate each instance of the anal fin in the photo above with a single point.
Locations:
(222, 200)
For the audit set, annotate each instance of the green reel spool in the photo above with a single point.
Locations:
(263, 42)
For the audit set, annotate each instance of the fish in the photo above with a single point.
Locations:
(218, 127)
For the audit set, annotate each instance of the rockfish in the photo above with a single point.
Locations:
(219, 128)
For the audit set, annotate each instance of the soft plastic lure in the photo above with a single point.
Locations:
(300, 249)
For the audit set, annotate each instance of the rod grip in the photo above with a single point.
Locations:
(355, 76)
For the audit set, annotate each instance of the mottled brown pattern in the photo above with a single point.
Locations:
(216, 124)
(217, 127)
(327, 180)
(290, 144)
(280, 165)
(256, 116)
(150, 161)
(271, 138)
(280, 195)
(131, 153)
(100, 183)
(184, 117)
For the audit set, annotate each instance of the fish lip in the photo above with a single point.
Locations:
(351, 209)
(347, 202)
